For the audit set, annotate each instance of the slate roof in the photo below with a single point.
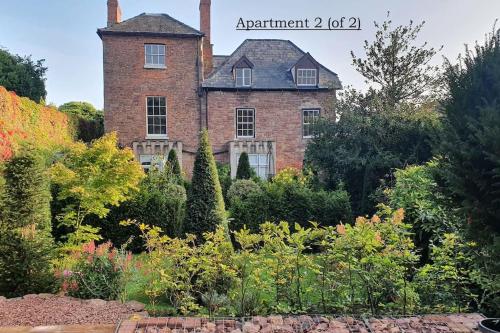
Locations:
(218, 60)
(151, 24)
(273, 60)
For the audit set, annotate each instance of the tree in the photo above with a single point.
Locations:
(26, 245)
(23, 76)
(396, 65)
(81, 109)
(244, 170)
(27, 195)
(173, 161)
(205, 204)
(92, 179)
(471, 140)
(89, 121)
(470, 145)
(369, 140)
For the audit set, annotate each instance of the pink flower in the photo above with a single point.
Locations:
(67, 273)
(89, 248)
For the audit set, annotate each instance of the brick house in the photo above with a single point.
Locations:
(162, 85)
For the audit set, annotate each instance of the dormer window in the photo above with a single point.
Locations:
(307, 77)
(242, 70)
(243, 77)
(305, 71)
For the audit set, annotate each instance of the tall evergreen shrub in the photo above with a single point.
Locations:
(26, 243)
(205, 204)
(173, 161)
(244, 170)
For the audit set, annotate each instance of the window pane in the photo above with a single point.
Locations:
(254, 159)
(161, 60)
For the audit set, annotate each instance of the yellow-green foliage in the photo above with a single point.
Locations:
(23, 121)
(93, 179)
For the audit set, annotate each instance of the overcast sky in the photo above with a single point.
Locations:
(64, 31)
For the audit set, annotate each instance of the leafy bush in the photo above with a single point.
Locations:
(88, 121)
(287, 198)
(241, 189)
(205, 204)
(91, 180)
(186, 275)
(428, 208)
(363, 267)
(97, 272)
(160, 202)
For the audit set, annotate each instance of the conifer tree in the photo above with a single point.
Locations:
(26, 243)
(244, 170)
(205, 204)
(173, 161)
(471, 138)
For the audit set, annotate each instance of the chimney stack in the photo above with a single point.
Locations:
(114, 12)
(205, 28)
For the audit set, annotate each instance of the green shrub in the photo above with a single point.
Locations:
(244, 171)
(160, 202)
(224, 171)
(427, 208)
(26, 245)
(205, 204)
(25, 266)
(173, 161)
(288, 198)
(241, 189)
(98, 272)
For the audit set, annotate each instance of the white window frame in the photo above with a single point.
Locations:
(307, 77)
(155, 52)
(156, 135)
(243, 77)
(244, 122)
(258, 166)
(316, 114)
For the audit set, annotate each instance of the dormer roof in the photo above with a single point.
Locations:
(243, 62)
(307, 61)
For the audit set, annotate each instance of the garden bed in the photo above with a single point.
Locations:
(47, 309)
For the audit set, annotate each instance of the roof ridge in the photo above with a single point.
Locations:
(190, 29)
(182, 23)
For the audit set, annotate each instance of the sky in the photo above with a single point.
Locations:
(63, 32)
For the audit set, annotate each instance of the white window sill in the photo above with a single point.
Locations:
(155, 66)
(156, 137)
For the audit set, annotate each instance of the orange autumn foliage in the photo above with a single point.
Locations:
(23, 121)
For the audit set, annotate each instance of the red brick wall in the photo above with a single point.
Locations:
(278, 117)
(127, 84)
